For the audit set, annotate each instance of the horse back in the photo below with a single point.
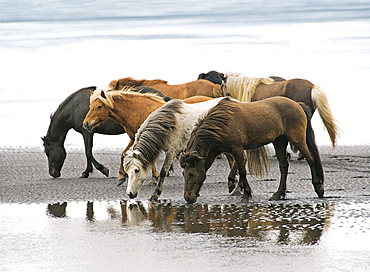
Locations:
(263, 121)
(296, 89)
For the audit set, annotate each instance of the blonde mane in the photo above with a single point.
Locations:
(242, 88)
(110, 95)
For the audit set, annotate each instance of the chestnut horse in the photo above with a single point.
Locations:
(198, 87)
(129, 109)
(299, 90)
(233, 127)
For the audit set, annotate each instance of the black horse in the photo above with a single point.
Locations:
(219, 78)
(70, 114)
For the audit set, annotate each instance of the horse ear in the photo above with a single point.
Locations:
(43, 139)
(102, 94)
(91, 93)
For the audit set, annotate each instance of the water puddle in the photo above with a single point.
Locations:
(78, 234)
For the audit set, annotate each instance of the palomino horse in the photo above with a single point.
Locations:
(181, 91)
(233, 127)
(70, 115)
(129, 109)
(167, 129)
(299, 90)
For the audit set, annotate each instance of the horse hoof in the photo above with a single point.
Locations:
(153, 198)
(245, 199)
(231, 188)
(237, 192)
(320, 192)
(152, 183)
(277, 197)
(84, 175)
(105, 171)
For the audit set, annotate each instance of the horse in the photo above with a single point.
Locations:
(299, 90)
(233, 127)
(220, 78)
(195, 88)
(129, 109)
(167, 129)
(70, 115)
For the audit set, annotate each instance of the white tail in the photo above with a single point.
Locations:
(320, 102)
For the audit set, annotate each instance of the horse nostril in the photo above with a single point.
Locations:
(132, 195)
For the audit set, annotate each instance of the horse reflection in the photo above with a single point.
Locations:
(280, 223)
(57, 209)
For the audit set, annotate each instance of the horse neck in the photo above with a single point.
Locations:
(131, 111)
(58, 128)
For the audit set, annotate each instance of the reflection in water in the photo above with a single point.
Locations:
(280, 223)
(57, 209)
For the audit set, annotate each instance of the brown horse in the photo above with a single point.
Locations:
(233, 127)
(130, 109)
(299, 90)
(198, 87)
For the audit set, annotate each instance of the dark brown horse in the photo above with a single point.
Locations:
(181, 91)
(69, 115)
(233, 127)
(299, 90)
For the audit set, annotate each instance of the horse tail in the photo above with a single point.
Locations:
(258, 162)
(311, 143)
(320, 102)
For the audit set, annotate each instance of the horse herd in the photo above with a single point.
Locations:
(196, 122)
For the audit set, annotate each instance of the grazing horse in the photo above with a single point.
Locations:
(167, 129)
(299, 90)
(129, 109)
(198, 87)
(233, 127)
(70, 114)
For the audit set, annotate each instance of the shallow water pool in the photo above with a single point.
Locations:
(143, 236)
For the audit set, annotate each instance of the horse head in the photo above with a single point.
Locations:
(98, 111)
(56, 155)
(194, 175)
(137, 171)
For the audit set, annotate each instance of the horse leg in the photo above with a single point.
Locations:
(314, 167)
(122, 176)
(155, 176)
(240, 162)
(163, 173)
(231, 179)
(88, 140)
(280, 145)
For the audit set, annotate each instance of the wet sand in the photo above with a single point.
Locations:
(24, 178)
(73, 224)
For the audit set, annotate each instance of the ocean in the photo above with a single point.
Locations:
(49, 49)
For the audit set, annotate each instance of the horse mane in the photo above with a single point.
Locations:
(129, 81)
(243, 88)
(154, 133)
(211, 128)
(110, 96)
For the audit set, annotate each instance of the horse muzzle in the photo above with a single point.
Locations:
(132, 195)
(88, 126)
(54, 173)
(191, 198)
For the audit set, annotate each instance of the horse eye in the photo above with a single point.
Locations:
(191, 174)
(137, 170)
(99, 107)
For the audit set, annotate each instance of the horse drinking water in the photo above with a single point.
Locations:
(168, 129)
(233, 127)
